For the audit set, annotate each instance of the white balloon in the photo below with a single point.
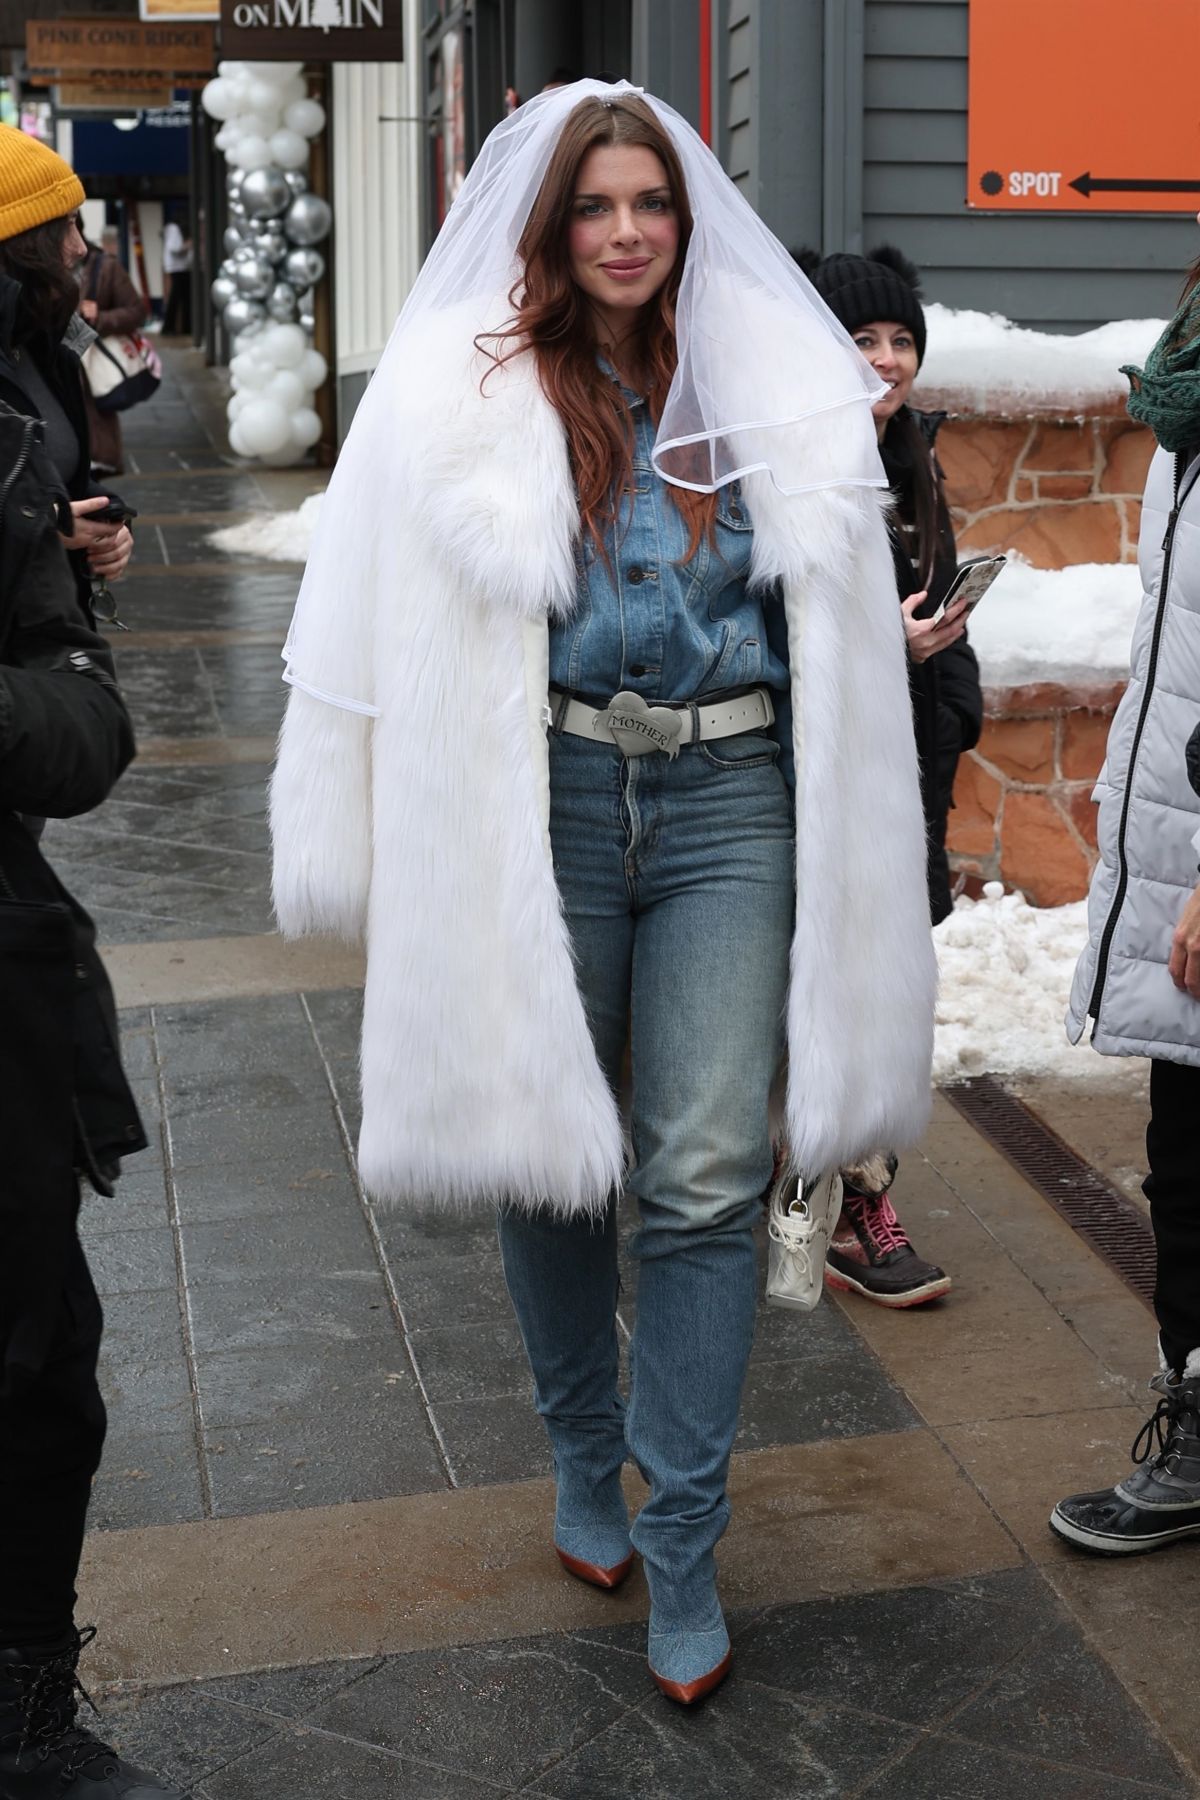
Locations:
(306, 117)
(305, 427)
(264, 96)
(285, 346)
(251, 371)
(313, 369)
(237, 405)
(253, 124)
(288, 149)
(294, 88)
(237, 439)
(227, 137)
(287, 458)
(265, 427)
(250, 153)
(217, 99)
(271, 71)
(286, 387)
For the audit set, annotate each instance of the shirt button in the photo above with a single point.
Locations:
(636, 574)
(735, 512)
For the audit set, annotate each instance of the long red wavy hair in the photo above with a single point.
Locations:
(551, 319)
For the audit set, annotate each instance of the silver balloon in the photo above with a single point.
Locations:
(282, 303)
(304, 268)
(308, 323)
(264, 193)
(236, 210)
(308, 219)
(243, 254)
(255, 278)
(270, 244)
(232, 239)
(297, 180)
(243, 315)
(227, 268)
(233, 182)
(223, 290)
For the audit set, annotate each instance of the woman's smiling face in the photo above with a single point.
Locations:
(624, 231)
(891, 351)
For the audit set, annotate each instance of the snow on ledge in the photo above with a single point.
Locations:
(1071, 626)
(981, 363)
(1004, 979)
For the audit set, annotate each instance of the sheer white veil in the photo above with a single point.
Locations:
(743, 308)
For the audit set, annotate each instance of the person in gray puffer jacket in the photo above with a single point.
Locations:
(1139, 978)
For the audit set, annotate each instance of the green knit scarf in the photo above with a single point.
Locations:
(1166, 393)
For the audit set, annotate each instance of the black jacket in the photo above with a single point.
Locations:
(62, 372)
(65, 737)
(946, 695)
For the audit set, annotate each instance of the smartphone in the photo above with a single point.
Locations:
(973, 580)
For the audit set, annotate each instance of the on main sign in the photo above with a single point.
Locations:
(313, 30)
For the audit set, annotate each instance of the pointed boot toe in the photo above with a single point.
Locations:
(594, 1573)
(687, 1693)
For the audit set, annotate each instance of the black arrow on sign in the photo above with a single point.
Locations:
(1089, 184)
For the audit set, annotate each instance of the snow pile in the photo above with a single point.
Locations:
(1005, 971)
(974, 354)
(272, 537)
(1070, 625)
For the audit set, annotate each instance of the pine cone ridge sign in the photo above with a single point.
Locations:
(313, 30)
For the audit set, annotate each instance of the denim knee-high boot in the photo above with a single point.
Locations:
(691, 1344)
(562, 1278)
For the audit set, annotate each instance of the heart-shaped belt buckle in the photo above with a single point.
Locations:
(637, 728)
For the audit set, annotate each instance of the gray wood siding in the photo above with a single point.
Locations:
(1058, 271)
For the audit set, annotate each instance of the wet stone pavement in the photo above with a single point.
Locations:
(289, 1370)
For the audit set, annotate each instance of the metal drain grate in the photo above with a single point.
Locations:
(1102, 1216)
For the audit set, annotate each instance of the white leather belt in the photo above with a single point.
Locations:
(636, 727)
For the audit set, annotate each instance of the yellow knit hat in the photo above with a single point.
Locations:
(36, 185)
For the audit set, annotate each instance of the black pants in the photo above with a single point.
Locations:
(177, 318)
(1173, 1190)
(51, 1434)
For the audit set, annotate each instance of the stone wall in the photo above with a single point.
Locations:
(1060, 491)
(1023, 812)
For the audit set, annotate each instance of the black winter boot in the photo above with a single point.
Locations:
(45, 1754)
(1160, 1501)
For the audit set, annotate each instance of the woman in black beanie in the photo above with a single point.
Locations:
(878, 299)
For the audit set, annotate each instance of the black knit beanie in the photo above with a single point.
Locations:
(861, 289)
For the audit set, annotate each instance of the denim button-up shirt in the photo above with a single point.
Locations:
(650, 623)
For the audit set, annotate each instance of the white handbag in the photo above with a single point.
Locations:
(121, 371)
(801, 1220)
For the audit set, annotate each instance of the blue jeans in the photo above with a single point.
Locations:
(678, 882)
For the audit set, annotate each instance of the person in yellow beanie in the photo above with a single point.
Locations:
(42, 338)
(65, 738)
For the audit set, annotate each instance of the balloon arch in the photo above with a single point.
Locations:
(264, 290)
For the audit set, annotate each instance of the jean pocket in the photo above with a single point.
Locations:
(749, 750)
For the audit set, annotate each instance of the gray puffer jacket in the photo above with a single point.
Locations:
(1149, 811)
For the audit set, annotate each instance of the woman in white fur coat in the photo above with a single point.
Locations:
(604, 558)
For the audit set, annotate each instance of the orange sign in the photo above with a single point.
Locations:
(1084, 106)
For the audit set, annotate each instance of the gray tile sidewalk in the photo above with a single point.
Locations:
(980, 1689)
(311, 1349)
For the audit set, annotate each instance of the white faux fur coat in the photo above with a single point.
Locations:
(419, 821)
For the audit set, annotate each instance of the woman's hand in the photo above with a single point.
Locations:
(111, 559)
(1184, 962)
(925, 638)
(108, 546)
